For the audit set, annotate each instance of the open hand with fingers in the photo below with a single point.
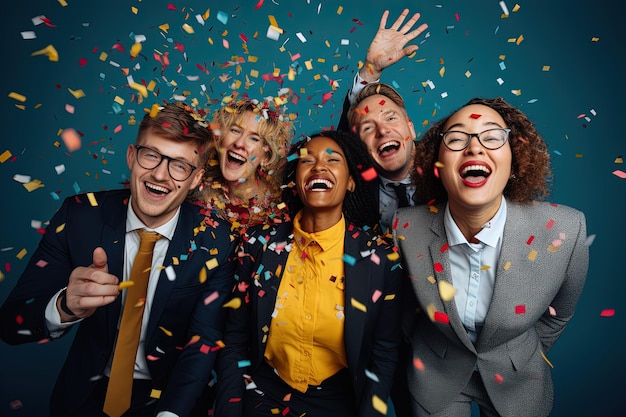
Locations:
(88, 288)
(389, 45)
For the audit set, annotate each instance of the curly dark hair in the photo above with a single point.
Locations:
(530, 158)
(359, 206)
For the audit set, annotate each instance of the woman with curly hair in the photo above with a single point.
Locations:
(496, 274)
(244, 171)
(314, 330)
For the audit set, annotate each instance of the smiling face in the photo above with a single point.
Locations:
(322, 177)
(475, 177)
(155, 195)
(388, 134)
(241, 149)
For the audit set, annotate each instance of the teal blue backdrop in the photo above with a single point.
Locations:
(560, 61)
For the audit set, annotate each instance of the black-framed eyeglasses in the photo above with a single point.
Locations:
(148, 158)
(491, 139)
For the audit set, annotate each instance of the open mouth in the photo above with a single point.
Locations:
(475, 173)
(388, 147)
(235, 158)
(156, 189)
(319, 184)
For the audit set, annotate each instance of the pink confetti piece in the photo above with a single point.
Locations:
(376, 295)
(498, 378)
(607, 312)
(211, 298)
(552, 311)
(520, 309)
(550, 224)
(418, 364)
(620, 174)
(205, 349)
(369, 174)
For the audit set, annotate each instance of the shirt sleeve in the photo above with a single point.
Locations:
(53, 318)
(357, 85)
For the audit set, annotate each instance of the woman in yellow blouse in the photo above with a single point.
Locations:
(314, 326)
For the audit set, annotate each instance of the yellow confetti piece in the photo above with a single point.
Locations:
(1, 276)
(202, 277)
(21, 253)
(595, 39)
(135, 49)
(393, 256)
(519, 40)
(164, 330)
(468, 74)
(553, 249)
(5, 156)
(545, 68)
(517, 92)
(17, 96)
(485, 267)
(33, 185)
(77, 93)
(442, 71)
(507, 266)
(379, 405)
(516, 8)
(49, 51)
(532, 255)
(389, 297)
(431, 279)
(140, 88)
(234, 303)
(60, 228)
(125, 284)
(155, 393)
(358, 305)
(579, 155)
(211, 263)
(546, 359)
(92, 199)
(175, 260)
(618, 160)
(446, 290)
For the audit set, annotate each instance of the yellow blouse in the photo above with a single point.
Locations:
(305, 343)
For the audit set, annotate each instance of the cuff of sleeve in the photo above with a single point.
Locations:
(53, 318)
(357, 85)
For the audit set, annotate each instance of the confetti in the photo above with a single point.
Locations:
(446, 290)
(125, 284)
(607, 312)
(379, 405)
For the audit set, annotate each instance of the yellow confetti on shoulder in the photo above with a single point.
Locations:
(358, 305)
(92, 199)
(164, 330)
(155, 393)
(379, 405)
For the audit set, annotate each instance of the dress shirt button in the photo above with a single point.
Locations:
(308, 317)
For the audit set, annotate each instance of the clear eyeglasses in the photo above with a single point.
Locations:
(148, 158)
(491, 139)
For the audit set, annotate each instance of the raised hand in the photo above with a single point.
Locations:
(89, 288)
(389, 45)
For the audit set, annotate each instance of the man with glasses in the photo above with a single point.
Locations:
(82, 275)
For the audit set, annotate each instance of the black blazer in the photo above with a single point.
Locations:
(371, 337)
(178, 311)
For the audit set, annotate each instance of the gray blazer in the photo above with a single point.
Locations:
(543, 263)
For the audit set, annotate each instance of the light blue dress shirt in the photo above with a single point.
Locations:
(473, 268)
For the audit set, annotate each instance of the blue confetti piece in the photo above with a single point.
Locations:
(395, 85)
(262, 240)
(558, 153)
(116, 108)
(502, 65)
(222, 17)
(259, 269)
(55, 196)
(183, 257)
(268, 275)
(243, 364)
(194, 246)
(76, 188)
(292, 157)
(349, 259)
(395, 266)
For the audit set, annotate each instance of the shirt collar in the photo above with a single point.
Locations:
(326, 239)
(489, 234)
(165, 230)
(386, 182)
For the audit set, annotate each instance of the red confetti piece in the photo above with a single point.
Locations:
(382, 102)
(520, 309)
(82, 62)
(243, 37)
(550, 224)
(498, 378)
(259, 4)
(438, 267)
(457, 17)
(234, 400)
(607, 312)
(19, 320)
(369, 174)
(530, 240)
(205, 349)
(170, 6)
(441, 317)
(475, 116)
(444, 248)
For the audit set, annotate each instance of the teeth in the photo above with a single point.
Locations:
(324, 182)
(236, 156)
(386, 145)
(157, 188)
(475, 168)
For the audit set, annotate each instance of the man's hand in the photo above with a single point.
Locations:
(388, 45)
(89, 288)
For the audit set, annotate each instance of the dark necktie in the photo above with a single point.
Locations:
(403, 200)
(120, 385)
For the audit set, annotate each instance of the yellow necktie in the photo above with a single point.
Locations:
(120, 386)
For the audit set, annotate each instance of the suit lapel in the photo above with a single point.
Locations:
(442, 270)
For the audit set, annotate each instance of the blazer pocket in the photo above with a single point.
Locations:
(522, 349)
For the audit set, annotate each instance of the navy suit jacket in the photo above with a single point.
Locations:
(371, 337)
(178, 310)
